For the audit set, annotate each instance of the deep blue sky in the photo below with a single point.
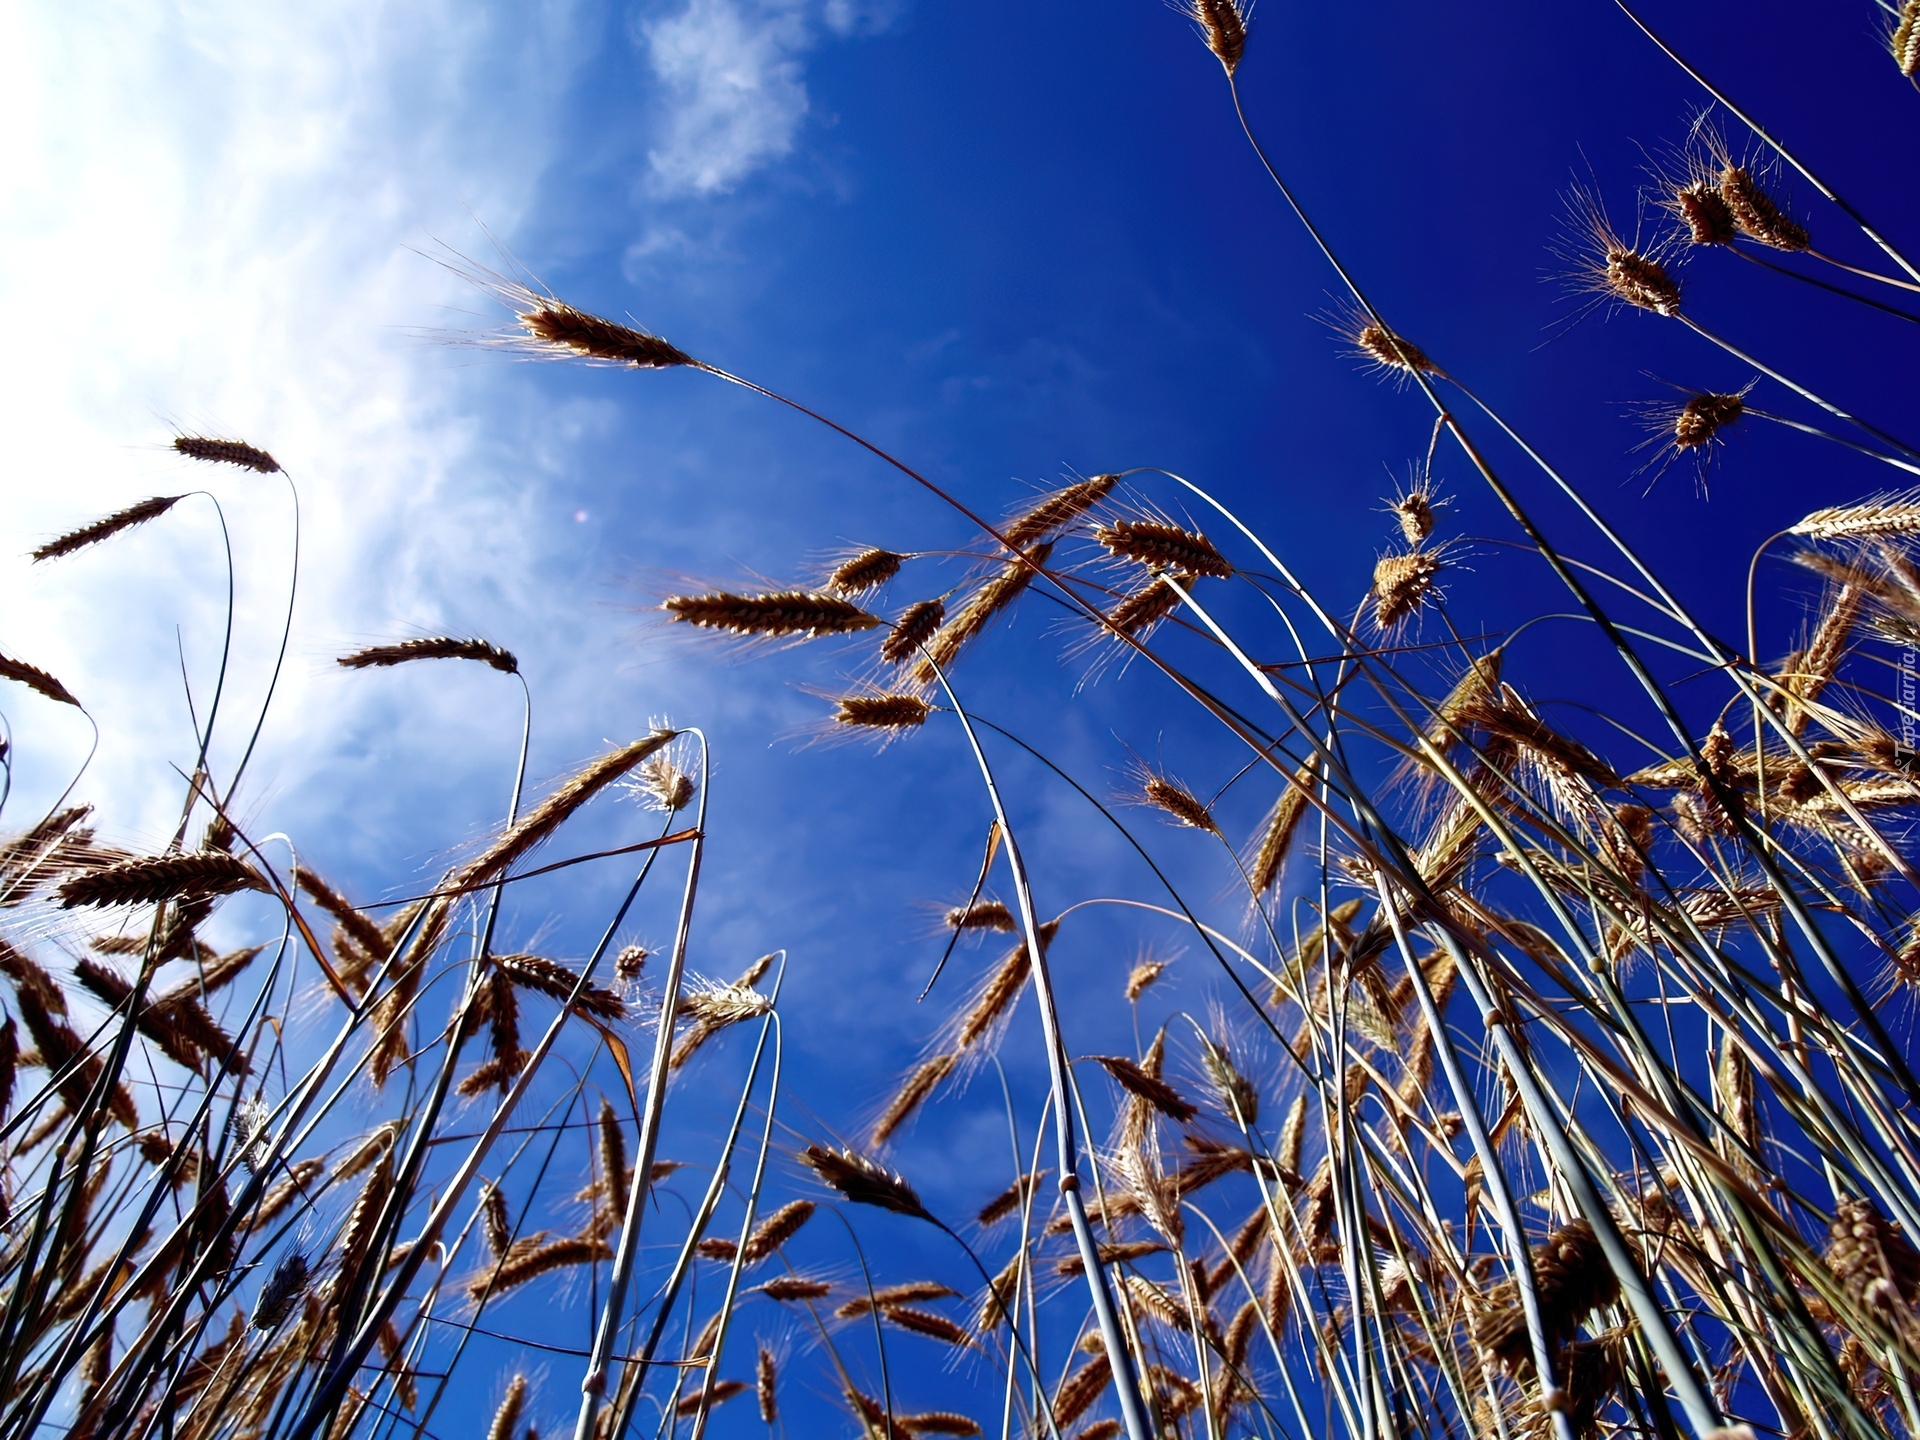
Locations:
(1003, 241)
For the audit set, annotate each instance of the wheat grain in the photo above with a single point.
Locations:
(777, 1229)
(987, 600)
(916, 626)
(1223, 23)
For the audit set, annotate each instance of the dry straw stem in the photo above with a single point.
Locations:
(34, 678)
(227, 452)
(882, 712)
(781, 613)
(864, 1181)
(1223, 24)
(152, 879)
(1056, 511)
(912, 1095)
(868, 570)
(1163, 548)
(433, 647)
(107, 528)
(1882, 517)
(987, 600)
(554, 323)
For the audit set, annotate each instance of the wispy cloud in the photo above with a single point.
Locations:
(733, 89)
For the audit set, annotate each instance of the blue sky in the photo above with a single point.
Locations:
(1003, 240)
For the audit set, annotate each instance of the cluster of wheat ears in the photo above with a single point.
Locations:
(1588, 1114)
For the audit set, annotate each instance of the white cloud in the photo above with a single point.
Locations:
(733, 87)
(208, 213)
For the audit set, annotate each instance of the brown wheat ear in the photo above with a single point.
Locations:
(1390, 351)
(868, 570)
(1163, 548)
(913, 1093)
(981, 915)
(227, 452)
(1056, 511)
(784, 612)
(1174, 799)
(1756, 213)
(107, 528)
(34, 678)
(882, 712)
(1700, 207)
(777, 1229)
(864, 1181)
(149, 880)
(559, 325)
(766, 1377)
(1223, 23)
(549, 977)
(1610, 267)
(433, 647)
(1139, 613)
(914, 628)
(1703, 417)
(1156, 1092)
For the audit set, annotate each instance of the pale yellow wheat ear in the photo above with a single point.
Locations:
(1903, 39)
(1404, 583)
(1881, 517)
